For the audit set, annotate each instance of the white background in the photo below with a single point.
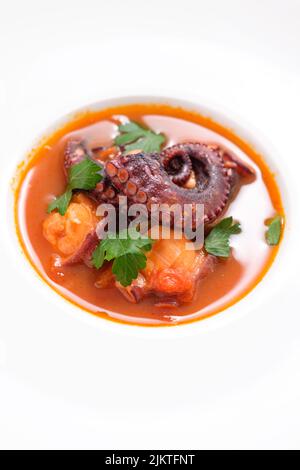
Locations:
(67, 382)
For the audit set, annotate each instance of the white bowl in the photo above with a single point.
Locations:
(277, 275)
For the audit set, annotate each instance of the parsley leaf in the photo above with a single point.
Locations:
(217, 242)
(133, 136)
(274, 231)
(84, 175)
(61, 203)
(127, 267)
(127, 249)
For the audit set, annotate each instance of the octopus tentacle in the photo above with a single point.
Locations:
(166, 177)
(75, 151)
(105, 192)
(147, 172)
(178, 163)
(238, 171)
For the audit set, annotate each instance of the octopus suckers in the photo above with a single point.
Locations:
(123, 175)
(111, 169)
(131, 188)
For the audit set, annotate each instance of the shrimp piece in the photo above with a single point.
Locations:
(73, 234)
(53, 227)
(172, 269)
(171, 273)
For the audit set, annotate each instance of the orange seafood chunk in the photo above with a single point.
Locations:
(171, 269)
(67, 233)
(172, 281)
(171, 253)
(171, 273)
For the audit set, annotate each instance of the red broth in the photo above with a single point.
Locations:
(41, 177)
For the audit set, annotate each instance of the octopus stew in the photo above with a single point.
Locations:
(79, 190)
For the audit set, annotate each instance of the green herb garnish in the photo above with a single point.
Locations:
(274, 230)
(133, 136)
(127, 249)
(84, 175)
(217, 242)
(61, 203)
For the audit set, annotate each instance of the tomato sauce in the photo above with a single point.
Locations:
(42, 176)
